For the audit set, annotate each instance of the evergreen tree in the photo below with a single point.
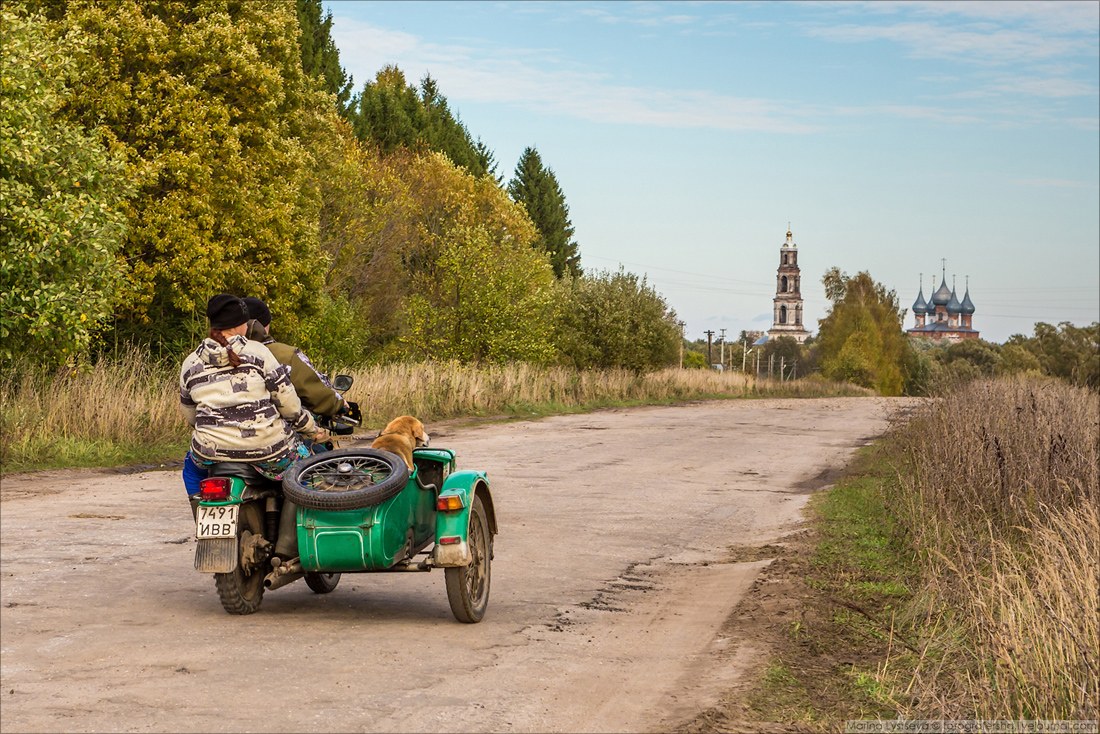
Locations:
(392, 114)
(536, 187)
(320, 57)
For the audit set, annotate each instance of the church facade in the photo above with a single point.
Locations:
(944, 316)
(787, 305)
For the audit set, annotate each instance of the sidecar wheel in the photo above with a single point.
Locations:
(468, 586)
(346, 479)
(322, 583)
(240, 593)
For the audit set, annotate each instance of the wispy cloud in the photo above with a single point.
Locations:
(1060, 183)
(550, 81)
(933, 40)
(533, 79)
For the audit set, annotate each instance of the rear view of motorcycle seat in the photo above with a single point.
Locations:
(236, 469)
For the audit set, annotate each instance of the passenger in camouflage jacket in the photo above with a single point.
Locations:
(248, 413)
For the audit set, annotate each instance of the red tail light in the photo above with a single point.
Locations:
(215, 488)
(450, 540)
(449, 503)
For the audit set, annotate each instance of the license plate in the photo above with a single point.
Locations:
(217, 522)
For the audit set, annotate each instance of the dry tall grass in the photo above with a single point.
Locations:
(127, 410)
(435, 391)
(119, 411)
(1001, 493)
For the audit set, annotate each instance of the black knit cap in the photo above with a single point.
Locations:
(258, 310)
(226, 311)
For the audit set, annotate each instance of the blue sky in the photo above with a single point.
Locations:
(687, 135)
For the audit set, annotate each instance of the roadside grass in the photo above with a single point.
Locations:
(119, 412)
(951, 573)
(1000, 497)
(126, 410)
(858, 575)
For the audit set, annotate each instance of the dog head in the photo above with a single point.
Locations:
(408, 426)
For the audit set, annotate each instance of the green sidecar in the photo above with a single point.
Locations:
(359, 510)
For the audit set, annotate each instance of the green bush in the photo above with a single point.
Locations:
(617, 320)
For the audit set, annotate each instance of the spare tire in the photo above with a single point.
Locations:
(346, 479)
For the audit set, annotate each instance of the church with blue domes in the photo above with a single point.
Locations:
(944, 316)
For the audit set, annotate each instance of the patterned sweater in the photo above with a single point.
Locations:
(249, 413)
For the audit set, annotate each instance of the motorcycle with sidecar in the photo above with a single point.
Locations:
(355, 510)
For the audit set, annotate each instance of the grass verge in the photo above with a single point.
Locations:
(126, 410)
(951, 573)
(822, 614)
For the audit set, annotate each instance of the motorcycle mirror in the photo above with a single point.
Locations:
(343, 382)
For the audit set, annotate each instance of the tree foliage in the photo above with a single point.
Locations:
(394, 114)
(60, 197)
(536, 187)
(617, 320)
(482, 300)
(206, 102)
(320, 57)
(1069, 352)
(860, 340)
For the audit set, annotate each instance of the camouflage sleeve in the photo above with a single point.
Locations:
(286, 400)
(187, 405)
(315, 391)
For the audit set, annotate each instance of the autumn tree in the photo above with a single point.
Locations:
(536, 187)
(206, 102)
(60, 198)
(860, 340)
(320, 57)
(477, 290)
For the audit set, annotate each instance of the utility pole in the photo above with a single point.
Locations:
(782, 367)
(681, 323)
(709, 334)
(744, 354)
(722, 358)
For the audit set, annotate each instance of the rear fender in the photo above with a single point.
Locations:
(219, 555)
(467, 485)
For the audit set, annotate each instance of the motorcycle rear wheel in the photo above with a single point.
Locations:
(468, 586)
(241, 593)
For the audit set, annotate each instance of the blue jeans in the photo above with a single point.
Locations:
(192, 475)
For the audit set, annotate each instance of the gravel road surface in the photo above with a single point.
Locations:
(610, 585)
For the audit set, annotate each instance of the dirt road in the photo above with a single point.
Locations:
(610, 584)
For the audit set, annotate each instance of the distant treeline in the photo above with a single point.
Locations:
(153, 154)
(861, 341)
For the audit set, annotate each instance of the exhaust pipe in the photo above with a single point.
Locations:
(286, 573)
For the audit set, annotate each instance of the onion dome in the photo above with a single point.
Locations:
(920, 306)
(942, 294)
(967, 304)
(953, 306)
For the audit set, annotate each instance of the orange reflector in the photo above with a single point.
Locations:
(450, 540)
(449, 503)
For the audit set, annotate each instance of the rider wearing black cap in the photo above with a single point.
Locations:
(314, 389)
